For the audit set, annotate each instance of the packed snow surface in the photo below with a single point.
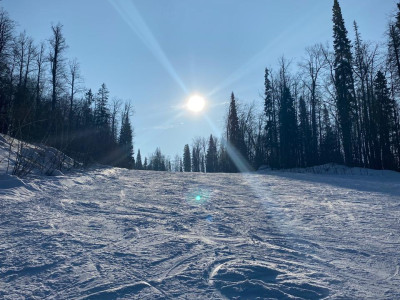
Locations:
(119, 234)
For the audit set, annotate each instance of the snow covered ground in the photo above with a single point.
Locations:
(119, 234)
(22, 158)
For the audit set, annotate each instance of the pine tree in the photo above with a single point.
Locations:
(343, 81)
(102, 113)
(304, 135)
(145, 164)
(195, 159)
(211, 156)
(271, 136)
(158, 161)
(385, 120)
(139, 165)
(125, 141)
(287, 129)
(187, 162)
(234, 136)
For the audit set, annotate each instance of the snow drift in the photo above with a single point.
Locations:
(21, 158)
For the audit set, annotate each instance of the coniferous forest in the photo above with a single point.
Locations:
(338, 104)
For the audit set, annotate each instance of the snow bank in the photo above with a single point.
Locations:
(21, 158)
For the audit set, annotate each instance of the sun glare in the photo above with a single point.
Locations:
(196, 103)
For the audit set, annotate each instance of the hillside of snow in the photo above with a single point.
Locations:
(119, 234)
(21, 158)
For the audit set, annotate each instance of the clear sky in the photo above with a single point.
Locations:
(155, 53)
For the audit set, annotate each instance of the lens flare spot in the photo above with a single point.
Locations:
(198, 196)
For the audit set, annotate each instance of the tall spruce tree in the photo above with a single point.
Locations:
(287, 129)
(385, 107)
(344, 83)
(158, 161)
(234, 136)
(125, 141)
(187, 162)
(103, 127)
(195, 159)
(211, 156)
(305, 139)
(271, 136)
(139, 165)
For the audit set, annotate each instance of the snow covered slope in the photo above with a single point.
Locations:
(118, 234)
(22, 158)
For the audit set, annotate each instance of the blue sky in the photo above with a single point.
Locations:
(155, 53)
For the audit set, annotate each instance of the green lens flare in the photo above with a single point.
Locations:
(198, 195)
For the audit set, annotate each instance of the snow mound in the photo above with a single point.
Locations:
(22, 158)
(8, 182)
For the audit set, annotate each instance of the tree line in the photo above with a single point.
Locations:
(43, 100)
(340, 106)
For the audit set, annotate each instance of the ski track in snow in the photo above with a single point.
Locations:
(119, 234)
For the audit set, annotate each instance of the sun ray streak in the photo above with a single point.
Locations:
(215, 130)
(132, 17)
(259, 58)
(266, 197)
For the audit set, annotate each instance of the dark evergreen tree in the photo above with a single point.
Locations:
(271, 135)
(102, 112)
(287, 129)
(344, 83)
(195, 159)
(385, 107)
(125, 142)
(139, 165)
(103, 127)
(235, 139)
(305, 139)
(211, 156)
(158, 161)
(187, 162)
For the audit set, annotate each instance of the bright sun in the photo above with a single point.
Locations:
(196, 103)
